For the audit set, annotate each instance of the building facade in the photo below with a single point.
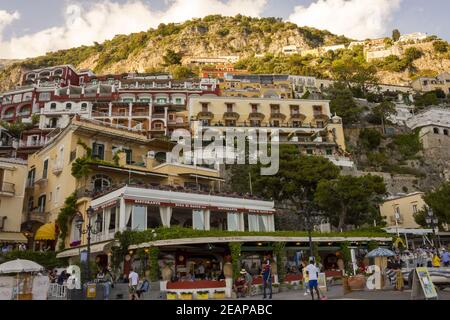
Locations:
(306, 123)
(399, 210)
(427, 84)
(13, 173)
(256, 86)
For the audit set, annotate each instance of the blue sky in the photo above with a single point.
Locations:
(30, 27)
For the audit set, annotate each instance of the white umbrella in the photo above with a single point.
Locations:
(380, 252)
(19, 266)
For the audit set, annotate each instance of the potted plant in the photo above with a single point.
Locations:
(186, 295)
(357, 282)
(202, 295)
(172, 296)
(219, 294)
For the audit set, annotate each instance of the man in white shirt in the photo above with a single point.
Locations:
(313, 275)
(133, 280)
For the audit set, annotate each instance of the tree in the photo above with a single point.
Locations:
(171, 58)
(181, 72)
(384, 110)
(396, 35)
(297, 178)
(370, 139)
(440, 46)
(351, 200)
(426, 100)
(343, 104)
(438, 200)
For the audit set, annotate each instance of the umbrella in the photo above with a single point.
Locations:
(380, 252)
(19, 266)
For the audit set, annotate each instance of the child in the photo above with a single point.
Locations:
(305, 281)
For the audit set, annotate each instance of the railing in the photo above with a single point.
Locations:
(248, 125)
(38, 216)
(57, 167)
(7, 187)
(158, 116)
(8, 116)
(100, 114)
(24, 144)
(119, 114)
(140, 114)
(57, 291)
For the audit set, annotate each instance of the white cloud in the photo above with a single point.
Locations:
(7, 18)
(358, 19)
(85, 24)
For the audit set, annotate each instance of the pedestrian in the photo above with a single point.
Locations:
(133, 280)
(305, 280)
(313, 274)
(445, 257)
(240, 285)
(267, 279)
(436, 261)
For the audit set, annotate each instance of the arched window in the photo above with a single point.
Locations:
(68, 106)
(53, 106)
(83, 106)
(74, 231)
(435, 130)
(101, 182)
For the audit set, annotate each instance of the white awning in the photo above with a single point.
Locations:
(95, 248)
(394, 230)
(13, 237)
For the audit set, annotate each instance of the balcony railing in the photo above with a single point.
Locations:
(120, 114)
(7, 188)
(29, 144)
(140, 114)
(39, 216)
(205, 115)
(158, 116)
(57, 167)
(247, 124)
(231, 116)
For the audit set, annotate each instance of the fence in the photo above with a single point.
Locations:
(57, 291)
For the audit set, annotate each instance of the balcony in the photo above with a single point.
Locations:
(119, 114)
(277, 116)
(140, 114)
(7, 189)
(298, 117)
(231, 116)
(205, 115)
(38, 216)
(100, 114)
(8, 116)
(31, 144)
(42, 182)
(158, 116)
(256, 116)
(57, 167)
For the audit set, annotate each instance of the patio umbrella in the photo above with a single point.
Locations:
(19, 266)
(380, 252)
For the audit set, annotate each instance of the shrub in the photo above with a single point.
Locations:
(440, 46)
(46, 259)
(408, 144)
(370, 138)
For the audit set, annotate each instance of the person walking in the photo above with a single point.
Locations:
(445, 257)
(267, 279)
(133, 280)
(313, 274)
(305, 280)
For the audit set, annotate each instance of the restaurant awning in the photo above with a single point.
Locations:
(46, 232)
(12, 237)
(95, 248)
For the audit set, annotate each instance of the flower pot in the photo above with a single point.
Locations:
(172, 296)
(202, 296)
(186, 296)
(357, 282)
(219, 295)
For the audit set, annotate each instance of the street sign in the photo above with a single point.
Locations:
(422, 286)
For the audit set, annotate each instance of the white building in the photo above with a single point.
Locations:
(415, 37)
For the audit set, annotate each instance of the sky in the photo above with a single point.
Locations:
(30, 28)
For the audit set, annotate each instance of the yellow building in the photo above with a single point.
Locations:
(402, 208)
(12, 188)
(306, 123)
(118, 157)
(256, 86)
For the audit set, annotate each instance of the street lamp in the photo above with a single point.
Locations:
(89, 231)
(432, 221)
(310, 213)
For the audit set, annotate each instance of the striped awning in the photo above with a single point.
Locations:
(46, 232)
(12, 237)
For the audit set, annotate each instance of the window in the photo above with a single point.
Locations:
(178, 101)
(44, 96)
(57, 194)
(206, 123)
(233, 221)
(101, 182)
(83, 106)
(73, 155)
(230, 123)
(198, 220)
(254, 108)
(41, 203)
(161, 100)
(129, 155)
(30, 205)
(414, 208)
(276, 123)
(329, 152)
(445, 132)
(319, 124)
(204, 107)
(31, 176)
(310, 152)
(435, 130)
(45, 171)
(98, 151)
(53, 106)
(138, 218)
(296, 124)
(153, 218)
(68, 106)
(112, 219)
(275, 108)
(229, 107)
